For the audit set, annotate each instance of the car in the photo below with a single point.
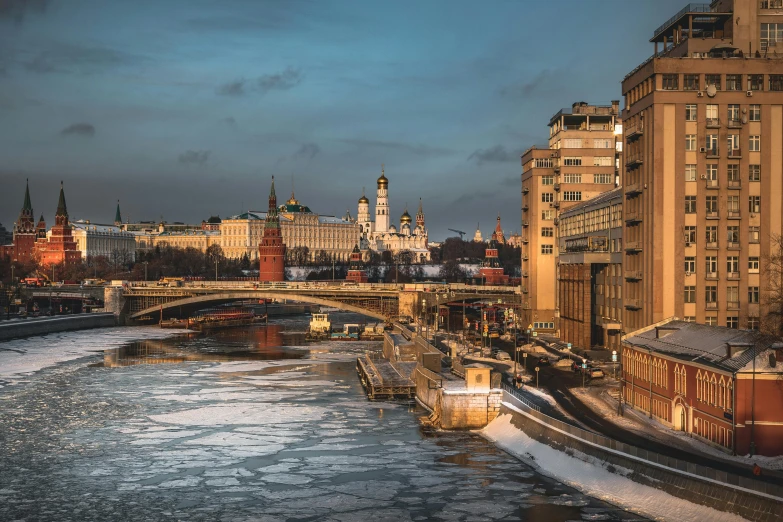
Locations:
(596, 373)
(502, 356)
(543, 361)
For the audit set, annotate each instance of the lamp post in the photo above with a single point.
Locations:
(216, 269)
(145, 270)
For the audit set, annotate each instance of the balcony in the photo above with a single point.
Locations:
(525, 241)
(734, 123)
(525, 190)
(633, 217)
(732, 305)
(633, 189)
(713, 214)
(524, 289)
(525, 257)
(524, 273)
(633, 275)
(772, 4)
(633, 304)
(712, 152)
(557, 169)
(733, 245)
(711, 305)
(735, 153)
(713, 184)
(634, 131)
(525, 208)
(557, 187)
(733, 276)
(525, 223)
(735, 184)
(634, 161)
(633, 246)
(734, 214)
(711, 276)
(712, 245)
(713, 123)
(526, 306)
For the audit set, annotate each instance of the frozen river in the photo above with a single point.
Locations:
(140, 424)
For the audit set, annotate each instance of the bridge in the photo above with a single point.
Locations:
(138, 301)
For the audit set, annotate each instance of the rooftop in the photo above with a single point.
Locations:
(601, 199)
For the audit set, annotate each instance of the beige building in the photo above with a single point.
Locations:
(590, 281)
(109, 241)
(198, 239)
(580, 163)
(703, 172)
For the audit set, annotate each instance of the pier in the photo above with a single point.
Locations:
(384, 379)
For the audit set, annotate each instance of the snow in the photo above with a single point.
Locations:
(242, 413)
(541, 394)
(594, 480)
(21, 357)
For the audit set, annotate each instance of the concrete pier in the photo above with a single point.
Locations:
(47, 325)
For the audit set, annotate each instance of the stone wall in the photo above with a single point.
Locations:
(63, 323)
(469, 410)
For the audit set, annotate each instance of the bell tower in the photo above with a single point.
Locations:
(271, 251)
(382, 204)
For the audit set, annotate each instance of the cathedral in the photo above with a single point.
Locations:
(381, 235)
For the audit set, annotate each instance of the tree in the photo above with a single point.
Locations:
(452, 272)
(772, 305)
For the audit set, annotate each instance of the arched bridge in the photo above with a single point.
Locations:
(381, 301)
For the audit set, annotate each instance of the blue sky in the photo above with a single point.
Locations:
(186, 108)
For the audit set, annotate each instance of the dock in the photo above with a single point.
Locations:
(383, 379)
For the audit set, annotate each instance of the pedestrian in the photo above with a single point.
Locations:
(756, 470)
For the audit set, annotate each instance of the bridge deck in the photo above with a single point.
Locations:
(384, 380)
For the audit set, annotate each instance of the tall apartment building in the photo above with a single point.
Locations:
(703, 169)
(580, 163)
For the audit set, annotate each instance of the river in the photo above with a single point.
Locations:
(247, 424)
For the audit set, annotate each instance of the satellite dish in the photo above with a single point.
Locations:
(711, 90)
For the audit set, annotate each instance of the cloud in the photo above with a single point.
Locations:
(543, 81)
(473, 197)
(194, 157)
(79, 129)
(307, 151)
(79, 59)
(231, 122)
(282, 81)
(417, 149)
(496, 154)
(16, 10)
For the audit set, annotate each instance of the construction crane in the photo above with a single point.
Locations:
(460, 232)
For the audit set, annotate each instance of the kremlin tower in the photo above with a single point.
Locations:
(491, 271)
(60, 247)
(24, 231)
(497, 235)
(271, 251)
(382, 204)
(356, 271)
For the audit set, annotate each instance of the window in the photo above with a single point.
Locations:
(732, 295)
(711, 320)
(733, 82)
(603, 161)
(753, 294)
(690, 142)
(711, 264)
(572, 143)
(776, 80)
(732, 321)
(690, 234)
(753, 323)
(754, 204)
(753, 265)
(770, 34)
(732, 233)
(711, 113)
(547, 215)
(732, 264)
(754, 112)
(690, 204)
(690, 264)
(755, 82)
(572, 178)
(690, 112)
(547, 232)
(572, 196)
(572, 161)
(546, 249)
(603, 143)
(712, 79)
(547, 180)
(712, 144)
(732, 204)
(733, 143)
(754, 143)
(753, 234)
(712, 234)
(547, 197)
(711, 204)
(732, 172)
(690, 82)
(711, 294)
(690, 172)
(754, 172)
(733, 114)
(603, 179)
(543, 326)
(543, 163)
(690, 294)
(670, 82)
(712, 173)
(689, 319)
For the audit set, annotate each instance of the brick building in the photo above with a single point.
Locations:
(60, 246)
(24, 232)
(721, 385)
(271, 250)
(356, 270)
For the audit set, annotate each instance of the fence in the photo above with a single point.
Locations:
(729, 479)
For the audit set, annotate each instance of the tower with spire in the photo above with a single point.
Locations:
(420, 217)
(363, 215)
(118, 216)
(477, 238)
(497, 235)
(60, 247)
(382, 221)
(271, 251)
(356, 270)
(24, 230)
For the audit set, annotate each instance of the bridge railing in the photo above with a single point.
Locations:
(326, 285)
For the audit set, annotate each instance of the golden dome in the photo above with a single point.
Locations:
(363, 199)
(405, 218)
(382, 181)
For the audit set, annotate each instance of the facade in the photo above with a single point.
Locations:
(720, 385)
(212, 224)
(271, 250)
(703, 170)
(579, 163)
(6, 237)
(58, 245)
(109, 241)
(356, 271)
(590, 277)
(380, 235)
(201, 240)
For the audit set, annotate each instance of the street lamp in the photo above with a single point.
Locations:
(216, 269)
(145, 270)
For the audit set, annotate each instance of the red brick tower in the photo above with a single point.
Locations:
(356, 271)
(491, 272)
(60, 247)
(24, 231)
(271, 251)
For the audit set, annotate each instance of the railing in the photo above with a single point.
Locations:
(735, 184)
(734, 214)
(733, 275)
(735, 152)
(712, 276)
(635, 129)
(713, 123)
(713, 152)
(734, 123)
(732, 305)
(713, 214)
(518, 396)
(634, 304)
(772, 4)
(633, 275)
(705, 472)
(711, 305)
(712, 183)
(690, 8)
(434, 380)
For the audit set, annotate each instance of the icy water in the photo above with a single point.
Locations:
(245, 424)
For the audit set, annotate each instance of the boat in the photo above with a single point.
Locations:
(320, 327)
(373, 332)
(178, 324)
(228, 319)
(350, 332)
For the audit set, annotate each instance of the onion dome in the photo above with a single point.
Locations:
(363, 199)
(405, 218)
(383, 182)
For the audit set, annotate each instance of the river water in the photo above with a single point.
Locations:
(247, 424)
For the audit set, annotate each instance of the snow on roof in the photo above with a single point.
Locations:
(331, 220)
(95, 227)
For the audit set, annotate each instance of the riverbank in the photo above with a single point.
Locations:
(21, 328)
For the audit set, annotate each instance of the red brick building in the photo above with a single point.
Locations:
(271, 251)
(24, 232)
(60, 246)
(722, 385)
(491, 271)
(356, 270)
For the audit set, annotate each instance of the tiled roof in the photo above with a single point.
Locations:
(704, 344)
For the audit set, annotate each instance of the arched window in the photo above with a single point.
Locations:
(713, 390)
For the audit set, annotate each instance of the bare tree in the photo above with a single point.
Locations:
(772, 301)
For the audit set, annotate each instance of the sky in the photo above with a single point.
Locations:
(183, 109)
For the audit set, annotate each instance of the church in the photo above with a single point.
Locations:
(381, 235)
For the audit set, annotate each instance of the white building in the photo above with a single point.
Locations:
(380, 235)
(94, 240)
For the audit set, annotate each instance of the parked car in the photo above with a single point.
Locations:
(543, 361)
(596, 373)
(502, 356)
